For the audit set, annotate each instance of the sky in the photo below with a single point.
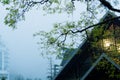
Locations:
(24, 55)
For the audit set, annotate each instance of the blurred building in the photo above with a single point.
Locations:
(4, 74)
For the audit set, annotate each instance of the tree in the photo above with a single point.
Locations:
(3, 78)
(19, 77)
(17, 8)
(58, 38)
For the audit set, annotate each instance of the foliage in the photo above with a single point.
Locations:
(70, 34)
(109, 69)
(97, 39)
(3, 78)
(17, 8)
(98, 44)
(65, 35)
(19, 77)
(62, 35)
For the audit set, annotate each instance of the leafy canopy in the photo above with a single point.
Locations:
(63, 34)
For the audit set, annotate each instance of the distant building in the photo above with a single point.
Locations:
(3, 63)
(98, 57)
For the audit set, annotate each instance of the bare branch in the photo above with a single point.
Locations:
(40, 2)
(73, 2)
(79, 31)
(109, 6)
(63, 41)
(89, 10)
(30, 4)
(106, 21)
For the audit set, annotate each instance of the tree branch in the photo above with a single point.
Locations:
(79, 31)
(106, 21)
(30, 4)
(109, 6)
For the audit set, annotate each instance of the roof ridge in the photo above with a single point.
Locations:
(103, 55)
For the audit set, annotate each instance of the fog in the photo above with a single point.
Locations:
(24, 55)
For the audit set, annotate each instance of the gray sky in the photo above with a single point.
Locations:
(24, 55)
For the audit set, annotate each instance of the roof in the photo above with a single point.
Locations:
(107, 15)
(97, 61)
(68, 53)
(81, 58)
(74, 58)
(110, 15)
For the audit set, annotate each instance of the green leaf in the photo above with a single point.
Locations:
(5, 1)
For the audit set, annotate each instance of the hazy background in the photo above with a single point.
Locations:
(24, 55)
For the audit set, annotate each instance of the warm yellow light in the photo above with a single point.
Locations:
(118, 48)
(106, 43)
